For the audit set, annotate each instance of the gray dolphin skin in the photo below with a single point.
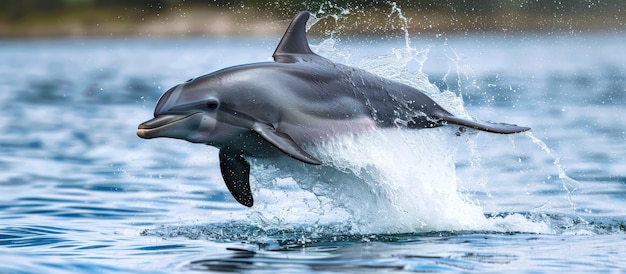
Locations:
(276, 108)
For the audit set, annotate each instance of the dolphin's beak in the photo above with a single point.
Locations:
(169, 125)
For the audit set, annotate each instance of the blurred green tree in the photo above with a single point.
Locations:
(16, 10)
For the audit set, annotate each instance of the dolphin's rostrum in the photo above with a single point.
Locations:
(275, 108)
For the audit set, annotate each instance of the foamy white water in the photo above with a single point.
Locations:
(389, 180)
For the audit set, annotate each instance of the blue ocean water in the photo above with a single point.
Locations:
(80, 192)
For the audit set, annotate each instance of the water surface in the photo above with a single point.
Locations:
(80, 192)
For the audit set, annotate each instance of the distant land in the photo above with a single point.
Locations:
(87, 18)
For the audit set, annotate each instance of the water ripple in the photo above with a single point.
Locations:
(81, 193)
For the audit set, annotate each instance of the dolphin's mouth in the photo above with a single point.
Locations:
(165, 125)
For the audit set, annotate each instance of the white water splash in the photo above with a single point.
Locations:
(569, 185)
(405, 23)
(386, 181)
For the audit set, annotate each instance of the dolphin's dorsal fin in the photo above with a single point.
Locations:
(294, 40)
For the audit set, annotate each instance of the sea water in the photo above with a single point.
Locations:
(80, 192)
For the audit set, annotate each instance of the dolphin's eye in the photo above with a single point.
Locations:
(212, 104)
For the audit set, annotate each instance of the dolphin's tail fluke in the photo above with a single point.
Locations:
(501, 128)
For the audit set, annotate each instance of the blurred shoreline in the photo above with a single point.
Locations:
(200, 21)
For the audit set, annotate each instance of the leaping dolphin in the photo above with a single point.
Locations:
(275, 108)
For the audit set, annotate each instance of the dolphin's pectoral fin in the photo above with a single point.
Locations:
(501, 128)
(236, 173)
(284, 142)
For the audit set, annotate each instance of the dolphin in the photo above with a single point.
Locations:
(276, 108)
